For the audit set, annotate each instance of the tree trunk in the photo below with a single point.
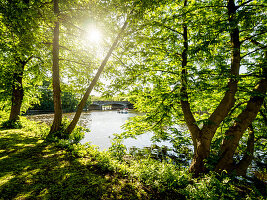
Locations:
(242, 166)
(17, 90)
(17, 94)
(188, 115)
(81, 105)
(244, 119)
(205, 135)
(56, 78)
(201, 153)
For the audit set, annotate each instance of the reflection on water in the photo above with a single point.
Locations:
(102, 125)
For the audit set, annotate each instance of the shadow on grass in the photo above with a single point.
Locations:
(33, 169)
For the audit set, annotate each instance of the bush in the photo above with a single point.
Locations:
(117, 149)
(211, 186)
(75, 137)
(160, 175)
(11, 124)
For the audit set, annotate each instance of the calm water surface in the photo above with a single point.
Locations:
(102, 125)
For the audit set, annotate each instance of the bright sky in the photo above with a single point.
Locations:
(94, 35)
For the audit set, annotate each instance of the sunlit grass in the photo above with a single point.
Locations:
(31, 168)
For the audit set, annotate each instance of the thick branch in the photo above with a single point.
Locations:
(228, 100)
(253, 51)
(243, 4)
(244, 119)
(188, 115)
(242, 166)
(251, 37)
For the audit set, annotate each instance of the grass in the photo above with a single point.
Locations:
(32, 168)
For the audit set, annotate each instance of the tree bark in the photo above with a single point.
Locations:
(201, 144)
(188, 115)
(242, 166)
(202, 138)
(228, 100)
(244, 119)
(56, 77)
(81, 105)
(17, 90)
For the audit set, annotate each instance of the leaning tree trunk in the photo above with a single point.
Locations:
(244, 119)
(17, 90)
(81, 105)
(56, 78)
(242, 122)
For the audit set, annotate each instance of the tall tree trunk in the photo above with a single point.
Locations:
(56, 78)
(17, 90)
(17, 94)
(81, 105)
(200, 150)
(202, 138)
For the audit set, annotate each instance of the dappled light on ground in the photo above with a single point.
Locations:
(33, 169)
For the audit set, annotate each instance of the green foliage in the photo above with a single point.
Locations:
(117, 149)
(32, 168)
(66, 140)
(39, 129)
(10, 124)
(161, 175)
(151, 72)
(211, 187)
(69, 99)
(22, 50)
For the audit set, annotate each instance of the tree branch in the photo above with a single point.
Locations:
(77, 62)
(253, 51)
(250, 38)
(243, 4)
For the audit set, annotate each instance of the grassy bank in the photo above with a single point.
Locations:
(31, 168)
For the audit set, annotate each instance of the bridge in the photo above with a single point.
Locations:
(110, 105)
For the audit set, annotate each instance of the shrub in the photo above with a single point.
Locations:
(64, 139)
(11, 124)
(211, 186)
(117, 149)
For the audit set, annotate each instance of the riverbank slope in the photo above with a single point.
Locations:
(31, 168)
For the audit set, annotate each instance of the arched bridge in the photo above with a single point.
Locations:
(113, 105)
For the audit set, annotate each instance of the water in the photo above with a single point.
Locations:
(102, 125)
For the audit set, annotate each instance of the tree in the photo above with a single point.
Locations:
(55, 71)
(69, 29)
(19, 28)
(137, 8)
(185, 61)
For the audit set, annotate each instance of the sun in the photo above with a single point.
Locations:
(94, 35)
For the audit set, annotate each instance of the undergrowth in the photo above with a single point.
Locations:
(32, 167)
